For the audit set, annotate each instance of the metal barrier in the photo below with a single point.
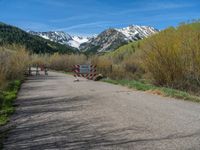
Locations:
(86, 71)
(36, 68)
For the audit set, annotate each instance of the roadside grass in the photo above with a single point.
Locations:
(7, 97)
(164, 91)
(69, 73)
(65, 72)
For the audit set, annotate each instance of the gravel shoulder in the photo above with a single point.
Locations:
(55, 112)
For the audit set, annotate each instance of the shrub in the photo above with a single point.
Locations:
(103, 63)
(65, 62)
(173, 57)
(13, 62)
(121, 63)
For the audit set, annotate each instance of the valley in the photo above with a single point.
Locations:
(99, 75)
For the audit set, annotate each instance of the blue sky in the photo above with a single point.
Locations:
(87, 17)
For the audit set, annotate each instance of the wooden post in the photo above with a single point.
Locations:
(37, 71)
(45, 70)
(29, 70)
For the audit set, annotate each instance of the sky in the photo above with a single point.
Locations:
(89, 17)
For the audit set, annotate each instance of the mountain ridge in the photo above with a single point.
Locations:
(113, 38)
(61, 37)
(107, 40)
(55, 41)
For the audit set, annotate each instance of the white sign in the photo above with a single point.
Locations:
(84, 69)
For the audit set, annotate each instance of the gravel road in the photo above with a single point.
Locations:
(56, 113)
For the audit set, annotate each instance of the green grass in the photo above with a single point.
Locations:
(149, 87)
(6, 101)
(70, 73)
(124, 51)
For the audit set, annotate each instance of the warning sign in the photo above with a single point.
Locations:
(84, 69)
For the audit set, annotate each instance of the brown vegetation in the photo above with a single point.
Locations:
(13, 62)
(60, 62)
(65, 62)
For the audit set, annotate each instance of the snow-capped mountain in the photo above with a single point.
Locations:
(57, 36)
(135, 32)
(107, 40)
(61, 37)
(111, 39)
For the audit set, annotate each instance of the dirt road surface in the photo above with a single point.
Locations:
(56, 113)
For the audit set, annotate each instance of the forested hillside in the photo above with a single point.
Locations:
(13, 35)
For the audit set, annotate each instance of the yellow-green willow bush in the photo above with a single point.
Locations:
(65, 62)
(173, 56)
(122, 63)
(13, 62)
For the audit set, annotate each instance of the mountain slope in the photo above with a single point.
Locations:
(61, 37)
(111, 39)
(10, 34)
(135, 32)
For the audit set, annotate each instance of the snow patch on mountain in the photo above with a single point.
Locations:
(135, 32)
(77, 41)
(62, 37)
